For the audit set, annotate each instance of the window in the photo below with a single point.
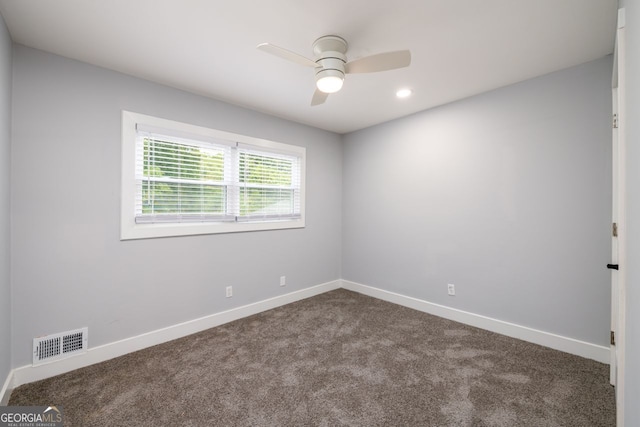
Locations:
(181, 179)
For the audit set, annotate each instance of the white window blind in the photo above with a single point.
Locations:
(269, 184)
(184, 178)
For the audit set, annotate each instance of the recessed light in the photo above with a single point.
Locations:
(403, 93)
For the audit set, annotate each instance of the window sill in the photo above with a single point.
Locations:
(134, 231)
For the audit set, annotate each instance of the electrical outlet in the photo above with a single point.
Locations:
(229, 291)
(451, 289)
(283, 280)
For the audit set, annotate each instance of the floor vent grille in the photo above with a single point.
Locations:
(58, 346)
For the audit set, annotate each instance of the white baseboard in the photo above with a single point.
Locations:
(557, 342)
(5, 391)
(30, 373)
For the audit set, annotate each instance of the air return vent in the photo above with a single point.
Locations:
(59, 346)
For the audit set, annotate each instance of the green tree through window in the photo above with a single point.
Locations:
(180, 178)
(189, 179)
(266, 184)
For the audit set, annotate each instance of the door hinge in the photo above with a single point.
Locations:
(613, 338)
(615, 121)
(614, 229)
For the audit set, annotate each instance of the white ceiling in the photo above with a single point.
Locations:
(459, 47)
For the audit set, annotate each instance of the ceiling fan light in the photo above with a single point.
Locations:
(329, 81)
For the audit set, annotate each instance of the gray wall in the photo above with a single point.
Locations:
(632, 354)
(5, 192)
(69, 267)
(507, 195)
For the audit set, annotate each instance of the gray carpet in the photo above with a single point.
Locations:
(339, 358)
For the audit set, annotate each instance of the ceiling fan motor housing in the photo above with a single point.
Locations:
(330, 57)
(331, 63)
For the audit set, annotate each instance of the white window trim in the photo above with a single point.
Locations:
(129, 229)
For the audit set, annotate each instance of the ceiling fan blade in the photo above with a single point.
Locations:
(286, 54)
(380, 62)
(319, 97)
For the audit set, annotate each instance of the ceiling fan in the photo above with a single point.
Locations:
(331, 63)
